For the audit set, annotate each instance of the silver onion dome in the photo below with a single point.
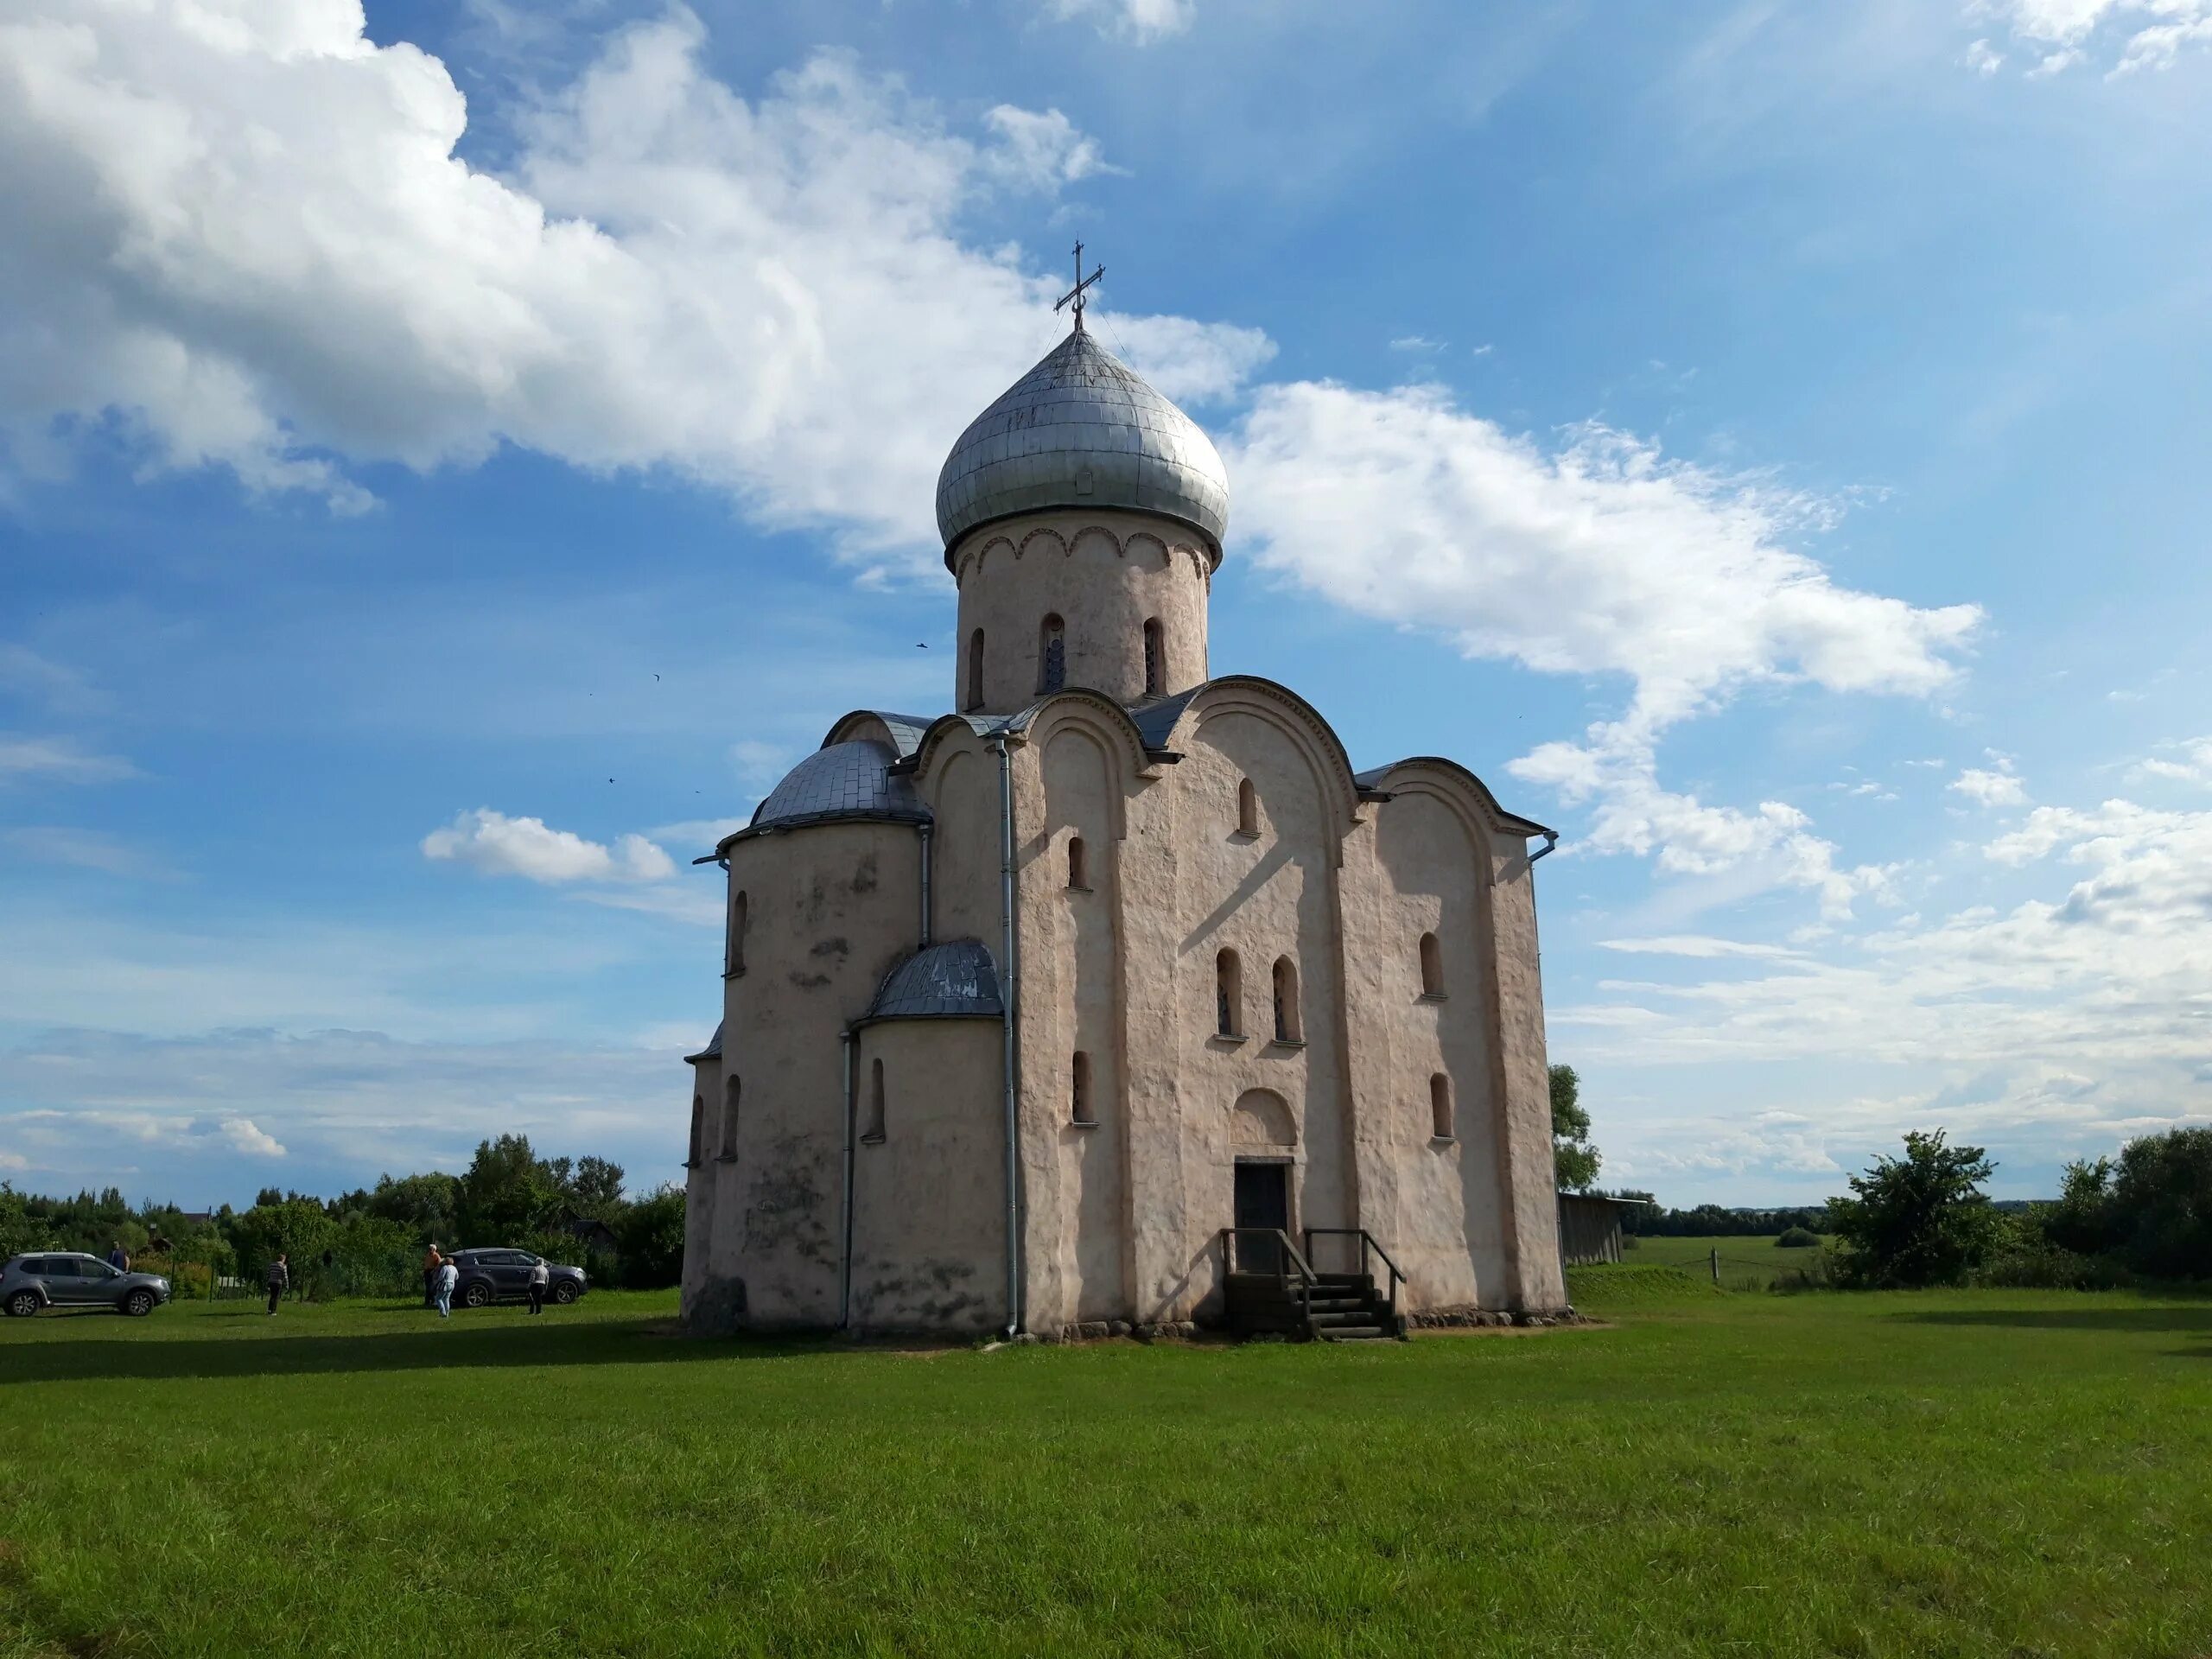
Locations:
(1080, 431)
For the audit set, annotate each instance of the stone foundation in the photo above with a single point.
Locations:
(1463, 1318)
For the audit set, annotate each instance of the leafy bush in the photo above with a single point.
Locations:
(2035, 1264)
(651, 1235)
(1798, 1238)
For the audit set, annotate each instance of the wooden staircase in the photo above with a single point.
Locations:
(1271, 1289)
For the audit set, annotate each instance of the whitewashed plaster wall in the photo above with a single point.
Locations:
(831, 907)
(929, 1198)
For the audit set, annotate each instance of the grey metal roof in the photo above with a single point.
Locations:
(906, 729)
(954, 980)
(713, 1051)
(843, 780)
(1156, 719)
(1081, 430)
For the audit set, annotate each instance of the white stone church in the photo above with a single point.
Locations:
(1116, 998)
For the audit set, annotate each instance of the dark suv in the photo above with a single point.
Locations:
(67, 1279)
(489, 1276)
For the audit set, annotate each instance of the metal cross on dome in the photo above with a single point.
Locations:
(1082, 282)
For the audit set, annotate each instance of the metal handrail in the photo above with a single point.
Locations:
(1367, 1241)
(1291, 1256)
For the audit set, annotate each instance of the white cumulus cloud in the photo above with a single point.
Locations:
(242, 230)
(1141, 21)
(498, 845)
(2139, 33)
(242, 1135)
(1992, 786)
(1603, 557)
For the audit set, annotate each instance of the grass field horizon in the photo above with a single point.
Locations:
(1706, 1473)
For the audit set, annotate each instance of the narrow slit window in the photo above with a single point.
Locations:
(698, 1130)
(739, 916)
(734, 1090)
(1079, 1104)
(976, 670)
(1078, 865)
(1440, 1106)
(1155, 668)
(1229, 995)
(875, 1102)
(1053, 655)
(1248, 809)
(1432, 966)
(1287, 1028)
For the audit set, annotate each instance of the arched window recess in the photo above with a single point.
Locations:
(1248, 809)
(973, 700)
(1229, 995)
(1439, 1107)
(1051, 655)
(1155, 663)
(1081, 1111)
(733, 1091)
(873, 1134)
(740, 919)
(1078, 866)
(1431, 968)
(1289, 1028)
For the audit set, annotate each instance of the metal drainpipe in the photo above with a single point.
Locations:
(845, 1260)
(927, 829)
(1551, 844)
(1010, 998)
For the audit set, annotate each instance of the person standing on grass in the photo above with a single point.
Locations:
(279, 1277)
(538, 1280)
(119, 1258)
(448, 1275)
(431, 1263)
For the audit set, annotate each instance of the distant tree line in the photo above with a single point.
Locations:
(371, 1242)
(1654, 1220)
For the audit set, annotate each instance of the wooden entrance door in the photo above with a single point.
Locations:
(1262, 1200)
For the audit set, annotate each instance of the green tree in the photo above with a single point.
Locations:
(1918, 1220)
(2163, 1188)
(506, 1192)
(19, 1230)
(1575, 1159)
(595, 1189)
(426, 1204)
(295, 1228)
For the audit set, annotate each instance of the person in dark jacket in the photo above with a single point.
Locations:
(279, 1277)
(119, 1258)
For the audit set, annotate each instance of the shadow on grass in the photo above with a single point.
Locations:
(606, 1341)
(2149, 1321)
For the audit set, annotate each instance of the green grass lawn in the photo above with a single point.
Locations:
(2002, 1473)
(1745, 1263)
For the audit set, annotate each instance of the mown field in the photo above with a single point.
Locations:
(2001, 1473)
(1745, 1263)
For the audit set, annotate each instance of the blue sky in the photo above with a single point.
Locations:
(453, 460)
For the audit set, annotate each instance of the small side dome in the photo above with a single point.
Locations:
(844, 780)
(951, 981)
(1081, 430)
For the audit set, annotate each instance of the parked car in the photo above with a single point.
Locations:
(489, 1276)
(65, 1278)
